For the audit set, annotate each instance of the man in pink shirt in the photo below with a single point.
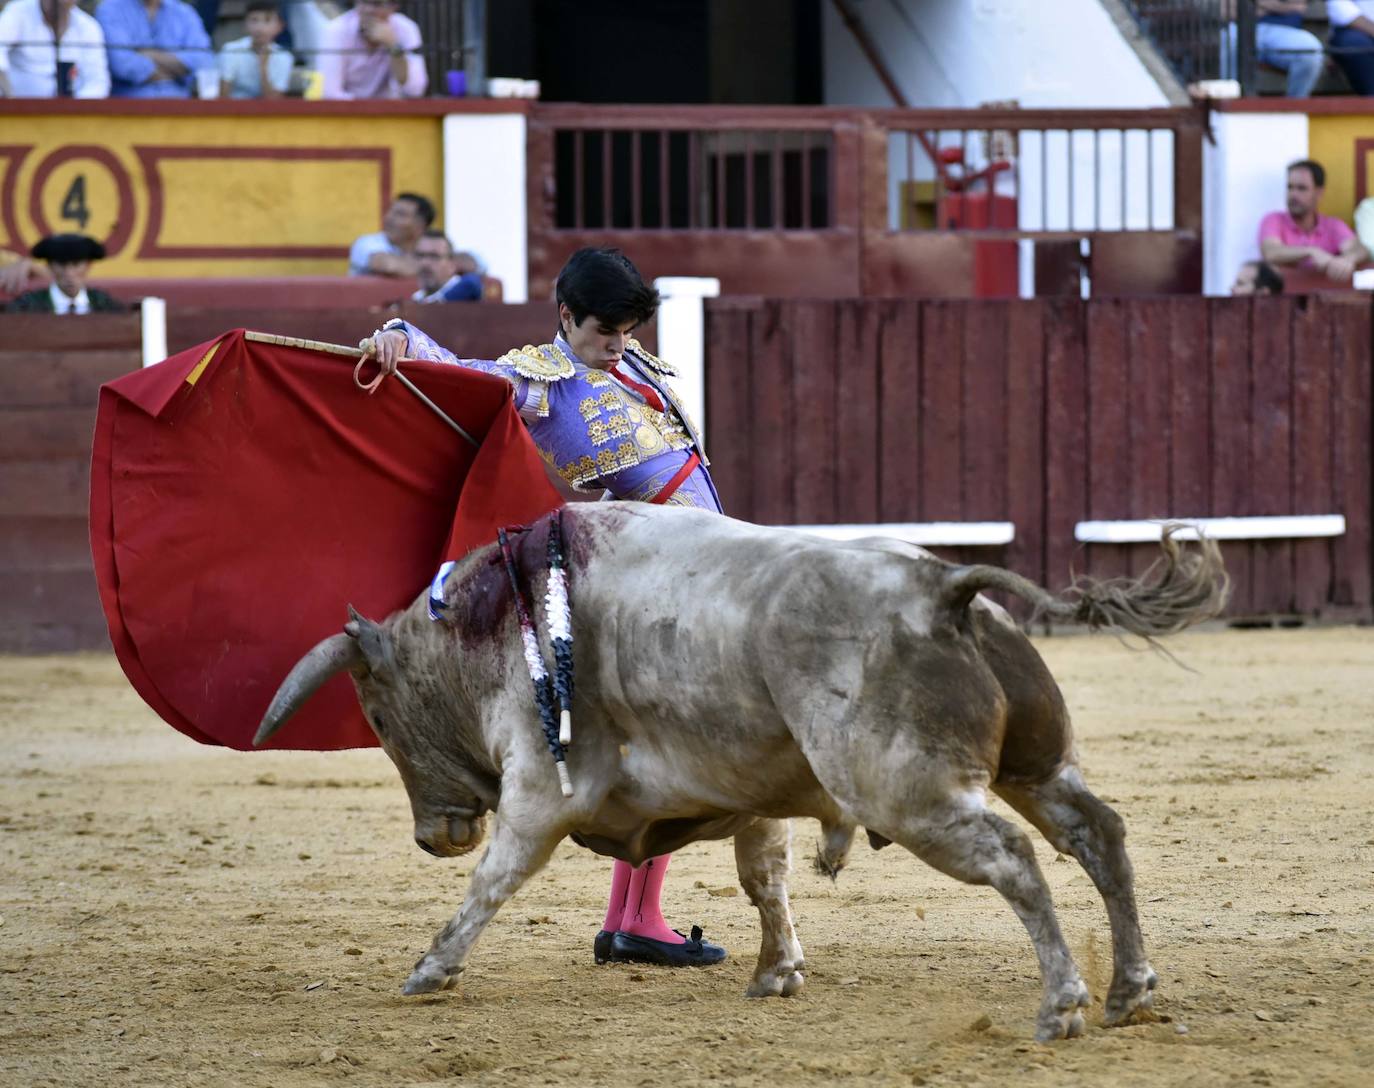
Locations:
(1303, 237)
(371, 52)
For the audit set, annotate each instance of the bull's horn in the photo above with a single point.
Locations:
(333, 655)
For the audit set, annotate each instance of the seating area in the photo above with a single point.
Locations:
(1199, 41)
(440, 23)
(1270, 80)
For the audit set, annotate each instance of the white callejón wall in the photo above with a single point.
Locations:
(484, 194)
(1243, 179)
(960, 54)
(682, 338)
(957, 54)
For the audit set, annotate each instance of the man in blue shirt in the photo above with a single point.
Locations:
(155, 47)
(443, 275)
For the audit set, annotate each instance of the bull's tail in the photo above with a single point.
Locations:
(1180, 589)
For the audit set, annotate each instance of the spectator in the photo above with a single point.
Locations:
(69, 258)
(1352, 29)
(51, 49)
(391, 251)
(254, 66)
(1281, 42)
(369, 52)
(155, 47)
(443, 275)
(1257, 278)
(1302, 237)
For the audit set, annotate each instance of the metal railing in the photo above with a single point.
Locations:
(1035, 173)
(1198, 38)
(452, 36)
(690, 178)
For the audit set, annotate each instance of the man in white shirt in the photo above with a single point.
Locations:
(255, 66)
(51, 49)
(391, 251)
(69, 258)
(1352, 41)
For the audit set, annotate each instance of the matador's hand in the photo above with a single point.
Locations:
(389, 348)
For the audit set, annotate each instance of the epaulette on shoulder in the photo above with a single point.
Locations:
(542, 363)
(653, 362)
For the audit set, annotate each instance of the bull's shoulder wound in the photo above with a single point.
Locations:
(653, 362)
(542, 363)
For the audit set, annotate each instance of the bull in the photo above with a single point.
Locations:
(730, 677)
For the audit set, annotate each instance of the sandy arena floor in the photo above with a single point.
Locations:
(175, 914)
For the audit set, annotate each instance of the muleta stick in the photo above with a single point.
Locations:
(364, 351)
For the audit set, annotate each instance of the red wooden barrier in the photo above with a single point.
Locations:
(1056, 411)
(1043, 413)
(47, 416)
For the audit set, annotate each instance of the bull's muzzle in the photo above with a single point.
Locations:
(449, 836)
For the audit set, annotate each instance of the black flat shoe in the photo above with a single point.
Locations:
(601, 947)
(693, 952)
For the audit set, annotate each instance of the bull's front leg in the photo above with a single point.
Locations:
(763, 854)
(512, 857)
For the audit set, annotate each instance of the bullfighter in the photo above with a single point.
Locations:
(600, 411)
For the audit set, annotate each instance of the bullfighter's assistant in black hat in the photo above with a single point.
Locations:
(69, 258)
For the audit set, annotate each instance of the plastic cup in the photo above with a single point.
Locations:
(207, 82)
(456, 82)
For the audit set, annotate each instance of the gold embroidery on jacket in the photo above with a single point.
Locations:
(542, 363)
(653, 362)
(614, 415)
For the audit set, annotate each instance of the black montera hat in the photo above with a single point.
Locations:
(69, 248)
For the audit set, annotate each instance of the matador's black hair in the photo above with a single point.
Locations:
(604, 283)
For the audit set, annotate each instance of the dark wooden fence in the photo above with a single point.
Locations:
(47, 417)
(1046, 413)
(1043, 413)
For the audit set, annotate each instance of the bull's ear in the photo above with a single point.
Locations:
(333, 655)
(373, 641)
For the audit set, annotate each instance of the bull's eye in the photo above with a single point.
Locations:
(378, 724)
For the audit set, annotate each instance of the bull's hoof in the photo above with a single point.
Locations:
(1060, 1018)
(1130, 998)
(776, 984)
(428, 978)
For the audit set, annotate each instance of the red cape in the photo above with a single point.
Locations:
(244, 493)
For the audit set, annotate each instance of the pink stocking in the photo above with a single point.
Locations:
(643, 917)
(621, 873)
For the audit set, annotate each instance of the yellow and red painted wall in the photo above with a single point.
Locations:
(211, 188)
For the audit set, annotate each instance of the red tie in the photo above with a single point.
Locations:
(648, 392)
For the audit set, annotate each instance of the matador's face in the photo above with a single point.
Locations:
(597, 343)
